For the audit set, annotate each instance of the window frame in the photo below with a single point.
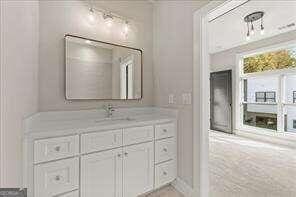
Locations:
(280, 100)
(265, 96)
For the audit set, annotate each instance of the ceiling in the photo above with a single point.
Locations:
(230, 30)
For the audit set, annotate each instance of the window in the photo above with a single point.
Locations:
(260, 115)
(266, 81)
(265, 96)
(260, 97)
(275, 60)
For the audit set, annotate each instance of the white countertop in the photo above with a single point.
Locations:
(53, 124)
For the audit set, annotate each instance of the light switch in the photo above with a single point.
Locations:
(186, 98)
(171, 99)
(189, 99)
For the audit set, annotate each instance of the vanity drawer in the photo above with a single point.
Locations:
(165, 150)
(165, 173)
(56, 178)
(99, 141)
(164, 130)
(55, 148)
(137, 135)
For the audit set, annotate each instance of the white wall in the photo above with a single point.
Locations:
(173, 70)
(58, 18)
(19, 82)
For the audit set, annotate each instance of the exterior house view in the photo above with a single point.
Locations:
(262, 92)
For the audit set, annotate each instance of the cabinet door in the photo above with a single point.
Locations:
(138, 169)
(101, 174)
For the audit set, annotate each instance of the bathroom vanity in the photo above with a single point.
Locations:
(85, 154)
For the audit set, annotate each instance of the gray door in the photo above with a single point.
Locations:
(221, 101)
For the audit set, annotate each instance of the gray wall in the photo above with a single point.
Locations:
(58, 18)
(173, 70)
(19, 82)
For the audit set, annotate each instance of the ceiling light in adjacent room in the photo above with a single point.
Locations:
(250, 19)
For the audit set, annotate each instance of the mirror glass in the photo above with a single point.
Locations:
(99, 70)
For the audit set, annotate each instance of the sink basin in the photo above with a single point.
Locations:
(115, 119)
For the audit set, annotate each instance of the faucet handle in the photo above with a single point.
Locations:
(109, 107)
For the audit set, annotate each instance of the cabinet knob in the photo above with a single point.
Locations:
(165, 173)
(57, 178)
(126, 154)
(119, 155)
(57, 148)
(165, 130)
(165, 150)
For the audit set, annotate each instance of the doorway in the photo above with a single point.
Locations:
(221, 101)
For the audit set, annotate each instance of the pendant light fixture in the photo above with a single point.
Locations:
(250, 19)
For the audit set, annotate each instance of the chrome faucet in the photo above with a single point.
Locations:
(109, 110)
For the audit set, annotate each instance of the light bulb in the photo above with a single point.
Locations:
(252, 29)
(252, 32)
(262, 30)
(109, 22)
(248, 38)
(91, 15)
(126, 28)
(108, 19)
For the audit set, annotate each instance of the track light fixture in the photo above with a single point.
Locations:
(250, 19)
(109, 18)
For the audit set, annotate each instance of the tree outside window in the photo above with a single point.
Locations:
(270, 61)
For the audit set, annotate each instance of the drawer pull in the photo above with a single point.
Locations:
(164, 173)
(57, 178)
(165, 150)
(57, 148)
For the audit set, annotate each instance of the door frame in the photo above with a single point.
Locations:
(229, 72)
(201, 85)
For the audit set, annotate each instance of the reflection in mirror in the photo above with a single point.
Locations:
(99, 70)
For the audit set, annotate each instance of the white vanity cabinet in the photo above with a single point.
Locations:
(101, 174)
(121, 172)
(121, 162)
(138, 169)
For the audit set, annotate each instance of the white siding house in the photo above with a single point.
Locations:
(270, 84)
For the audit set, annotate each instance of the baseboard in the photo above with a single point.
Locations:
(282, 139)
(183, 187)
